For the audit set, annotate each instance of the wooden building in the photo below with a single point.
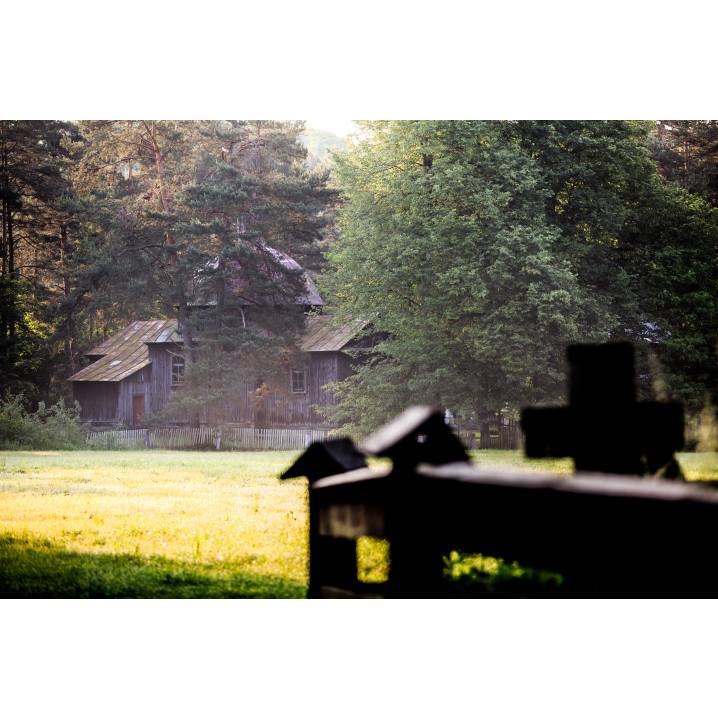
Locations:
(134, 373)
(130, 374)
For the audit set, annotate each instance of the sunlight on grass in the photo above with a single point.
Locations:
(503, 460)
(373, 558)
(699, 467)
(174, 523)
(227, 511)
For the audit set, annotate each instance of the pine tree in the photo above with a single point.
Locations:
(31, 181)
(189, 213)
(686, 153)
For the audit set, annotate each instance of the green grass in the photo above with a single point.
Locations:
(154, 524)
(161, 524)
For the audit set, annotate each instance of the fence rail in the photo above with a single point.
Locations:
(233, 439)
(507, 439)
(224, 439)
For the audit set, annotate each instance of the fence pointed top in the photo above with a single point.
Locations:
(326, 458)
(419, 435)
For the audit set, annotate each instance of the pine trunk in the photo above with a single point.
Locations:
(71, 332)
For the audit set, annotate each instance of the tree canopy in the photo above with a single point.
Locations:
(481, 249)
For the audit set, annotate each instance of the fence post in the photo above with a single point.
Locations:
(307, 438)
(219, 438)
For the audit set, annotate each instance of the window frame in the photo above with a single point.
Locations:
(304, 372)
(177, 361)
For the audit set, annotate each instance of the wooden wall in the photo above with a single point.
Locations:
(98, 399)
(112, 401)
(291, 409)
(161, 378)
(138, 383)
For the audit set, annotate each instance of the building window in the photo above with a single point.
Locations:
(177, 370)
(299, 381)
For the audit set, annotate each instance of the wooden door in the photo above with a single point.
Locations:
(138, 409)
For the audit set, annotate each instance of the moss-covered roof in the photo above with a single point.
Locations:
(127, 352)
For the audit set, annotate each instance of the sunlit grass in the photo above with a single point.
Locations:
(217, 512)
(503, 460)
(200, 524)
(699, 467)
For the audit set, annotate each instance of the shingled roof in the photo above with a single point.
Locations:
(127, 352)
(321, 337)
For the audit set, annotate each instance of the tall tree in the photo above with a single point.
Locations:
(686, 153)
(646, 250)
(445, 248)
(173, 238)
(31, 181)
(483, 249)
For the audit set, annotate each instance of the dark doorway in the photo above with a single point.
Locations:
(138, 409)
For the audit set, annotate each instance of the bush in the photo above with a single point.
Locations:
(56, 428)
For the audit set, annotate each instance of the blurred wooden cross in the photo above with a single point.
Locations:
(604, 428)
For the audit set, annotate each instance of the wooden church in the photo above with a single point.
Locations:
(135, 372)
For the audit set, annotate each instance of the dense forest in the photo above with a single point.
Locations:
(479, 249)
(106, 222)
(482, 249)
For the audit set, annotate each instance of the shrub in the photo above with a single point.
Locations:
(54, 428)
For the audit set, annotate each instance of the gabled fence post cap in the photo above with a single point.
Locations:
(326, 458)
(418, 435)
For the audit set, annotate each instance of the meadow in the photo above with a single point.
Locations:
(176, 524)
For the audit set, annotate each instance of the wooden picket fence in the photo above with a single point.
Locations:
(510, 437)
(234, 439)
(114, 439)
(223, 438)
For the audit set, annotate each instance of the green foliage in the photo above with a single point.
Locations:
(477, 576)
(482, 249)
(645, 250)
(53, 428)
(20, 344)
(686, 154)
(445, 248)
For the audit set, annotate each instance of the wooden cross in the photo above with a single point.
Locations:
(604, 428)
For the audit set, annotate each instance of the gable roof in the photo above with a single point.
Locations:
(127, 352)
(320, 336)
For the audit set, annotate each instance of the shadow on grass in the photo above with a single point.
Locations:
(40, 569)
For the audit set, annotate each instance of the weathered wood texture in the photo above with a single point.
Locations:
(138, 383)
(98, 400)
(291, 409)
(161, 378)
(112, 401)
(510, 436)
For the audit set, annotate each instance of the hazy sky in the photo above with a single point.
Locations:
(338, 127)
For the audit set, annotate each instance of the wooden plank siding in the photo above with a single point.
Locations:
(161, 379)
(148, 347)
(98, 400)
(138, 383)
(291, 409)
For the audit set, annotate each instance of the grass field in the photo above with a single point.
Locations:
(182, 524)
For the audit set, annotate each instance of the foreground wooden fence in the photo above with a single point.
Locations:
(225, 439)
